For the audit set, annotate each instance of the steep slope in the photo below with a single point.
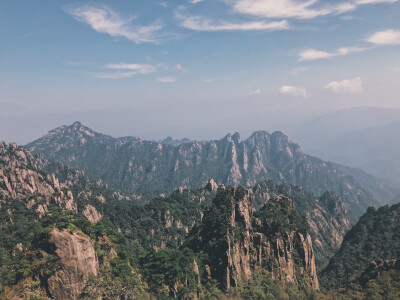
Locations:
(375, 236)
(381, 280)
(150, 168)
(234, 241)
(326, 215)
(47, 230)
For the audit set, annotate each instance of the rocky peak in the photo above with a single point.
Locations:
(236, 138)
(174, 142)
(211, 185)
(238, 242)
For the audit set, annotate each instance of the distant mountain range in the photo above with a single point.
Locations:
(148, 168)
(363, 137)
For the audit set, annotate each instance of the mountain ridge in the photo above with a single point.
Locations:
(137, 166)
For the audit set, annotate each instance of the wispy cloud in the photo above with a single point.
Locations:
(180, 68)
(297, 71)
(104, 20)
(212, 80)
(347, 86)
(166, 79)
(256, 92)
(313, 54)
(390, 37)
(196, 1)
(200, 23)
(308, 9)
(125, 70)
(136, 68)
(279, 9)
(293, 91)
(386, 37)
(115, 75)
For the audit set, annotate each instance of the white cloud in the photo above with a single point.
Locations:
(180, 68)
(136, 68)
(293, 91)
(105, 20)
(347, 86)
(387, 37)
(124, 70)
(279, 9)
(196, 1)
(313, 54)
(166, 79)
(298, 9)
(360, 2)
(256, 92)
(212, 80)
(199, 23)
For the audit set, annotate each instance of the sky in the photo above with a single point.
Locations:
(192, 68)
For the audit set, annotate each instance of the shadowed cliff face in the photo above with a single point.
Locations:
(78, 263)
(151, 168)
(236, 241)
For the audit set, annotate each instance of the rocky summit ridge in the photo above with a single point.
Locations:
(149, 168)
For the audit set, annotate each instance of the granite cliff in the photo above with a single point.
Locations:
(235, 241)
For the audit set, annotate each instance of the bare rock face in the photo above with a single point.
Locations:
(21, 178)
(79, 262)
(211, 185)
(92, 214)
(242, 243)
(326, 215)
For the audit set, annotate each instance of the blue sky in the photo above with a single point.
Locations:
(193, 68)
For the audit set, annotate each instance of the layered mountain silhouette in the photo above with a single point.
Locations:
(148, 168)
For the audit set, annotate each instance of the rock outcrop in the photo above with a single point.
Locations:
(22, 179)
(326, 215)
(78, 263)
(237, 241)
(92, 214)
